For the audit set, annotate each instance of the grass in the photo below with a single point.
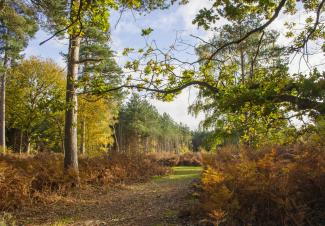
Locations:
(181, 173)
(63, 222)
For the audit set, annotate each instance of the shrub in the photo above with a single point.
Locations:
(270, 187)
(28, 179)
(119, 168)
(173, 159)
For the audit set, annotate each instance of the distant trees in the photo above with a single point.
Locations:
(203, 140)
(97, 117)
(142, 128)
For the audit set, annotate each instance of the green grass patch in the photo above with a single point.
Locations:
(181, 173)
(63, 222)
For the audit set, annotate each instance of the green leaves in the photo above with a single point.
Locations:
(131, 3)
(146, 32)
(18, 22)
(244, 110)
(126, 51)
(35, 101)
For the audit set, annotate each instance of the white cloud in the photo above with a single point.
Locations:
(188, 12)
(178, 109)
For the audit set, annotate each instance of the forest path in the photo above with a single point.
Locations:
(155, 203)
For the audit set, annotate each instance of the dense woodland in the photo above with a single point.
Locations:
(73, 136)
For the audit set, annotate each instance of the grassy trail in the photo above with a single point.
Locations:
(155, 203)
(181, 173)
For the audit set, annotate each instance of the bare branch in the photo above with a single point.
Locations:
(88, 60)
(256, 54)
(317, 22)
(78, 18)
(120, 17)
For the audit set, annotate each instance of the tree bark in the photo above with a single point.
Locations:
(116, 140)
(70, 129)
(2, 113)
(21, 142)
(83, 138)
(3, 107)
(28, 146)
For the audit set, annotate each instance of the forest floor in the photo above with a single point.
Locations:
(155, 203)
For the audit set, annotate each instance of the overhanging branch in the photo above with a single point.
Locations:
(317, 22)
(165, 91)
(256, 30)
(301, 103)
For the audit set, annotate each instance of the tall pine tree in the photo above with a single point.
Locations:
(17, 26)
(99, 72)
(72, 18)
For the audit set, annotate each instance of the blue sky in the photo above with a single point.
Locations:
(166, 24)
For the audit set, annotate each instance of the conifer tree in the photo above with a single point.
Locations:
(103, 69)
(17, 26)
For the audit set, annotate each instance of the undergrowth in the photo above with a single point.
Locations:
(27, 180)
(173, 159)
(282, 186)
(6, 219)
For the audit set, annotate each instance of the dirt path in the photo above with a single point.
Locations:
(154, 203)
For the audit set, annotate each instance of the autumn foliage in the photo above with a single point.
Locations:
(270, 187)
(173, 159)
(25, 180)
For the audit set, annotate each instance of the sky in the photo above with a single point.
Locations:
(177, 20)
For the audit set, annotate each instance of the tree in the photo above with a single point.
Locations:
(166, 75)
(35, 103)
(81, 14)
(160, 73)
(17, 26)
(257, 60)
(203, 140)
(98, 117)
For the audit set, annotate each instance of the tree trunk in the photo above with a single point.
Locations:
(116, 140)
(242, 63)
(242, 58)
(83, 138)
(70, 129)
(28, 146)
(2, 114)
(61, 137)
(3, 109)
(21, 142)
